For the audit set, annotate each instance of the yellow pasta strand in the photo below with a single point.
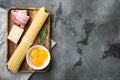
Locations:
(19, 54)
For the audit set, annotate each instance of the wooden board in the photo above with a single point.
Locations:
(11, 46)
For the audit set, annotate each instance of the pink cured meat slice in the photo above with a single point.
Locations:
(20, 17)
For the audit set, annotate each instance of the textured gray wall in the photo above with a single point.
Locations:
(87, 33)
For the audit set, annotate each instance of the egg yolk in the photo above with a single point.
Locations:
(38, 57)
(43, 54)
(37, 61)
(34, 53)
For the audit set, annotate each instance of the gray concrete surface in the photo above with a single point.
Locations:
(87, 33)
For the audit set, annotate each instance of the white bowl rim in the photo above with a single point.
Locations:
(45, 63)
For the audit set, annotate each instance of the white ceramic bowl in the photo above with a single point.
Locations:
(45, 63)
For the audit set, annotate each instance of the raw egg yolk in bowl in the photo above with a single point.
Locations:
(38, 57)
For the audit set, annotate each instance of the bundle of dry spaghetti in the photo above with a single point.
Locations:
(19, 54)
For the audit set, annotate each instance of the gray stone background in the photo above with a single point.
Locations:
(87, 33)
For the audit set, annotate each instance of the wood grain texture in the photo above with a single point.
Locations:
(11, 46)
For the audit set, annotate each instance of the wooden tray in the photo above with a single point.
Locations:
(11, 46)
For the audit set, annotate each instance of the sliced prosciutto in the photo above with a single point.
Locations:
(20, 17)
